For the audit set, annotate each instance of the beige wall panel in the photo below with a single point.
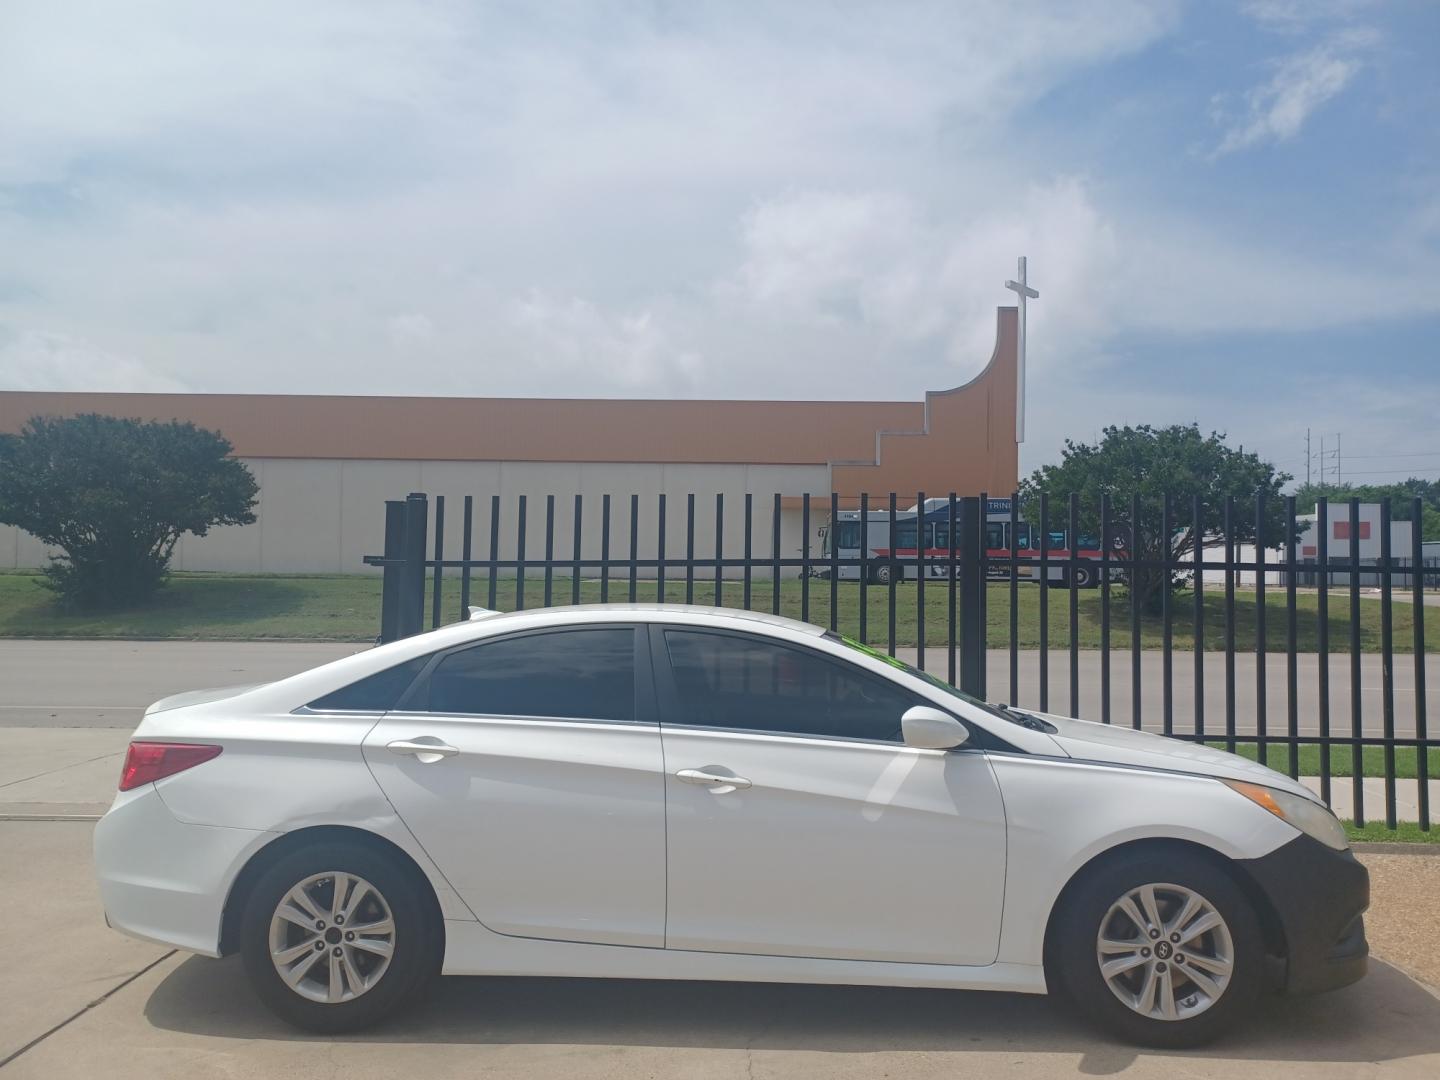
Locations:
(9, 547)
(364, 487)
(229, 548)
(300, 517)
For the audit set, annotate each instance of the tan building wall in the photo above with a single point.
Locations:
(325, 465)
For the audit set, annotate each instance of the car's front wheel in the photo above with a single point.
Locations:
(336, 936)
(1163, 950)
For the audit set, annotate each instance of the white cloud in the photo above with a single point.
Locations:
(37, 360)
(612, 199)
(1303, 82)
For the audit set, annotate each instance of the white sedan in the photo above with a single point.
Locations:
(673, 792)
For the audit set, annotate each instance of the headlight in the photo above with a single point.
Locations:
(1314, 820)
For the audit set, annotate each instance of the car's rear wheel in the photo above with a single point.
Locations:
(1163, 950)
(336, 936)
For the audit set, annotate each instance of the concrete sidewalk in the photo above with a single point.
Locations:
(83, 1001)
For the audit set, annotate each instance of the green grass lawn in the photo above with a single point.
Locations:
(1342, 759)
(346, 607)
(1375, 832)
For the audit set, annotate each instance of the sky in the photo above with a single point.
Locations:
(1231, 210)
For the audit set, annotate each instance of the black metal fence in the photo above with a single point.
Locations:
(1330, 648)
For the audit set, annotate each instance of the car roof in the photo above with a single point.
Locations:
(650, 613)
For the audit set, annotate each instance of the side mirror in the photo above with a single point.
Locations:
(930, 729)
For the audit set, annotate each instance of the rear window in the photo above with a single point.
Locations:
(374, 693)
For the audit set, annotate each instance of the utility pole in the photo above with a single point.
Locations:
(1307, 457)
(1339, 479)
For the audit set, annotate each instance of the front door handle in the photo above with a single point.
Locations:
(427, 750)
(713, 780)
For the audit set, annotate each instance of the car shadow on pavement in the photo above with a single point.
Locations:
(1387, 1016)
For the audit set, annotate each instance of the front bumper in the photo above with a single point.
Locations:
(163, 880)
(1320, 896)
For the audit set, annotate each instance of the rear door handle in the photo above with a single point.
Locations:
(715, 780)
(427, 750)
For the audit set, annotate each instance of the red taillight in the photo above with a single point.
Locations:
(147, 762)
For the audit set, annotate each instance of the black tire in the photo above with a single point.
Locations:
(1085, 578)
(881, 574)
(417, 938)
(1073, 967)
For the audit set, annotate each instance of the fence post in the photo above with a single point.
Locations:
(410, 617)
(972, 613)
(391, 573)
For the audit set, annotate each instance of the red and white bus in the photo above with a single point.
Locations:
(896, 556)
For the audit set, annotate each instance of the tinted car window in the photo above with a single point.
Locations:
(587, 674)
(731, 681)
(374, 693)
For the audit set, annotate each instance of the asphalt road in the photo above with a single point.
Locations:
(108, 684)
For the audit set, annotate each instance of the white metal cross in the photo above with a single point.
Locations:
(1023, 291)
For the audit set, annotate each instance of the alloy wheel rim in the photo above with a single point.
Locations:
(332, 937)
(1165, 952)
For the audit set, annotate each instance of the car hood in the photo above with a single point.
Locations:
(1091, 741)
(199, 697)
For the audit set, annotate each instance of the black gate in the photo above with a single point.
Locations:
(1316, 637)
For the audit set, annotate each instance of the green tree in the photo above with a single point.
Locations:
(1145, 463)
(115, 495)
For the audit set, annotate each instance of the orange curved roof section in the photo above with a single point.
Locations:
(960, 440)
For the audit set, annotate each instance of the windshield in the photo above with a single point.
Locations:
(910, 669)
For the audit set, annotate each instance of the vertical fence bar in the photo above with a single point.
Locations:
(972, 640)
(775, 556)
(805, 557)
(393, 572)
(749, 538)
(1167, 655)
(984, 590)
(833, 537)
(1417, 598)
(634, 547)
(1105, 528)
(1387, 661)
(1044, 602)
(577, 550)
(1260, 680)
(922, 549)
(1357, 772)
(719, 549)
(1322, 630)
(490, 591)
(435, 598)
(1014, 584)
(864, 564)
(1292, 669)
(660, 552)
(466, 537)
(690, 548)
(1197, 528)
(549, 550)
(411, 619)
(1230, 623)
(1073, 525)
(896, 569)
(1135, 710)
(520, 559)
(605, 549)
(951, 644)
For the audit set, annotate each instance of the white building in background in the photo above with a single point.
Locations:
(326, 464)
(1341, 546)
